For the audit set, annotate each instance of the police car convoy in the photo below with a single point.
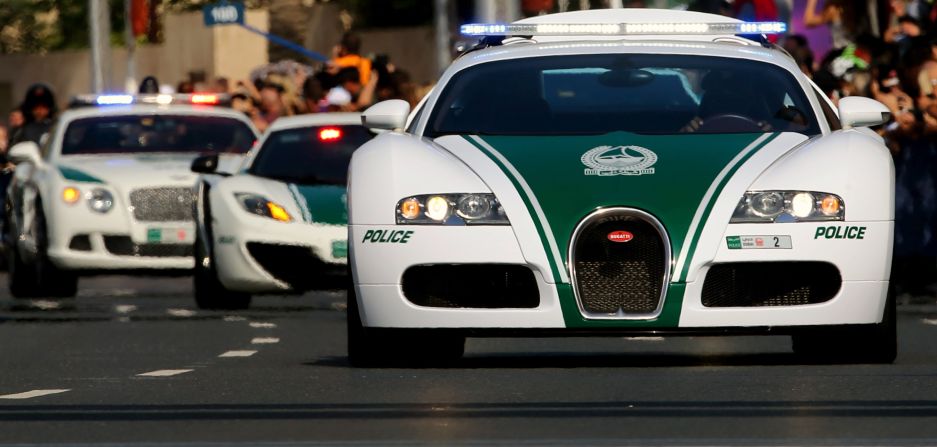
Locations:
(588, 173)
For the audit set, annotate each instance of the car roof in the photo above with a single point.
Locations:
(315, 119)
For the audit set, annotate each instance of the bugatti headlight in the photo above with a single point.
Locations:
(789, 206)
(100, 200)
(451, 209)
(260, 206)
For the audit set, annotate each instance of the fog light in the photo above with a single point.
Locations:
(802, 204)
(437, 208)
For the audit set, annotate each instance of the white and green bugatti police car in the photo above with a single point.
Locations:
(278, 225)
(110, 188)
(627, 171)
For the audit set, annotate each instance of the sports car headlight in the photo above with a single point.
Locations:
(260, 206)
(100, 200)
(788, 206)
(451, 209)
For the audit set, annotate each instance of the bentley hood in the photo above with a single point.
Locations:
(136, 169)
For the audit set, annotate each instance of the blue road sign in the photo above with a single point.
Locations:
(223, 13)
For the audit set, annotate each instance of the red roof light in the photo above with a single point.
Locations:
(198, 98)
(330, 134)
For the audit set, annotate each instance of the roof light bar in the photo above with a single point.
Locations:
(108, 100)
(590, 29)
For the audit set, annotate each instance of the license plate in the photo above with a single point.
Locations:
(759, 242)
(340, 249)
(162, 235)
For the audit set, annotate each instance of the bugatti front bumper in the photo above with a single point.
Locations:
(383, 255)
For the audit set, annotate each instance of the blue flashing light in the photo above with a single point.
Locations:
(483, 29)
(109, 100)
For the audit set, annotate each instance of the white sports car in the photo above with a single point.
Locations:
(110, 188)
(622, 172)
(279, 225)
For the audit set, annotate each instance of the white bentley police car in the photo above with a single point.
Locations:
(278, 225)
(110, 188)
(622, 172)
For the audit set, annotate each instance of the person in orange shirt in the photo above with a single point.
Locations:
(346, 55)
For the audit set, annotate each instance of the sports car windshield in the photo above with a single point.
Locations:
(156, 133)
(310, 155)
(639, 93)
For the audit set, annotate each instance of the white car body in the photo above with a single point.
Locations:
(851, 163)
(155, 235)
(316, 235)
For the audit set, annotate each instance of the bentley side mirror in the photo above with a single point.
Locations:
(26, 151)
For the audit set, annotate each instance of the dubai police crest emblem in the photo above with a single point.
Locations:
(619, 160)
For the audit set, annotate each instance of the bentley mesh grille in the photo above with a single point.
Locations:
(162, 204)
(761, 284)
(616, 278)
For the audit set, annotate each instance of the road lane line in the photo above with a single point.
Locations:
(233, 318)
(260, 325)
(125, 308)
(264, 340)
(644, 338)
(46, 304)
(181, 312)
(31, 394)
(930, 321)
(165, 372)
(238, 354)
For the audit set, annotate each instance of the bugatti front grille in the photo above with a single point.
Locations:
(620, 259)
(162, 204)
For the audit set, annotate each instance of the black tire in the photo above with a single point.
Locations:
(368, 347)
(41, 278)
(876, 343)
(209, 292)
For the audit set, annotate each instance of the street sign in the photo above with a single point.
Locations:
(223, 13)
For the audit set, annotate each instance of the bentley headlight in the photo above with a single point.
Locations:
(789, 206)
(100, 200)
(260, 206)
(451, 209)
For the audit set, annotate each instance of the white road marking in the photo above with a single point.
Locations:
(233, 318)
(930, 321)
(46, 304)
(181, 312)
(238, 354)
(644, 338)
(264, 340)
(260, 325)
(125, 308)
(165, 372)
(31, 394)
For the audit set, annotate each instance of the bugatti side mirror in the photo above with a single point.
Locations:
(856, 111)
(389, 115)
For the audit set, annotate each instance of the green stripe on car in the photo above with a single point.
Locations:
(323, 204)
(76, 175)
(679, 187)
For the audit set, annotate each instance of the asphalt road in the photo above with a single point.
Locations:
(132, 361)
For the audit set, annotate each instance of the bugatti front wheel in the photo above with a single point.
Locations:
(876, 343)
(369, 347)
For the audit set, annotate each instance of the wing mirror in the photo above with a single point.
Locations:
(856, 111)
(26, 151)
(207, 164)
(387, 115)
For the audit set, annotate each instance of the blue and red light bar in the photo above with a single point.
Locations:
(621, 29)
(207, 99)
